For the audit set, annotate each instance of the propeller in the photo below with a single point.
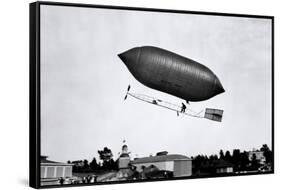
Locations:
(128, 89)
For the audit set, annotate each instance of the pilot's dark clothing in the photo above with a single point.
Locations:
(183, 107)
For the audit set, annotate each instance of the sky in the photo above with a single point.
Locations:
(83, 83)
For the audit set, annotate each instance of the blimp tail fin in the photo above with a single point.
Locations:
(213, 114)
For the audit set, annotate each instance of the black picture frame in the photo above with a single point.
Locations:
(35, 97)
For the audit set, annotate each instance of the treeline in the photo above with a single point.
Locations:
(238, 160)
(107, 163)
(201, 164)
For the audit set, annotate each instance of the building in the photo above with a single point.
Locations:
(52, 171)
(78, 163)
(124, 162)
(259, 156)
(124, 158)
(180, 165)
(222, 166)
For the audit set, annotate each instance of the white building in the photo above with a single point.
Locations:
(123, 163)
(180, 165)
(51, 171)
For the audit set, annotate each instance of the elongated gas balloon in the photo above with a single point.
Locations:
(172, 73)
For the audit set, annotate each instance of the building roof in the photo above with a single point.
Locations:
(220, 163)
(161, 158)
(257, 153)
(77, 161)
(124, 155)
(45, 162)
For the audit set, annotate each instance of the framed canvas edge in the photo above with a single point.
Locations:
(34, 95)
(84, 5)
(34, 87)
(272, 94)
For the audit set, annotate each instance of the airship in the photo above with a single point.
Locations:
(172, 73)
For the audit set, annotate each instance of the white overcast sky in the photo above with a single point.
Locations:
(83, 83)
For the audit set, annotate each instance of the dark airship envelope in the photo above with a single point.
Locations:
(174, 74)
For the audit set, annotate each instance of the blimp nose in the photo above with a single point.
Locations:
(122, 57)
(130, 57)
(218, 87)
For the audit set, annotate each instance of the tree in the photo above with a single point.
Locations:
(196, 163)
(244, 161)
(227, 156)
(236, 159)
(94, 165)
(86, 164)
(221, 154)
(112, 165)
(236, 155)
(264, 148)
(254, 163)
(105, 154)
(107, 162)
(213, 157)
(216, 157)
(206, 159)
(267, 153)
